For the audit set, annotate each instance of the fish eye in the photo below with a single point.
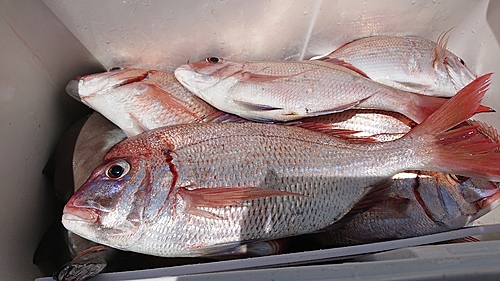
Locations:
(117, 170)
(461, 61)
(212, 59)
(115, 68)
(458, 178)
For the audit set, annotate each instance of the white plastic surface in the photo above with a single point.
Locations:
(45, 44)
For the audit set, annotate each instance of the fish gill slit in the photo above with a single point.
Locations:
(420, 200)
(418, 196)
(175, 175)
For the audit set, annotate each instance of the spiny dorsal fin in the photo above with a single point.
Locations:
(440, 48)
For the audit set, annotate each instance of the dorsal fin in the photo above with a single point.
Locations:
(345, 64)
(440, 48)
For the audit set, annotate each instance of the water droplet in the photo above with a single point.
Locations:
(305, 12)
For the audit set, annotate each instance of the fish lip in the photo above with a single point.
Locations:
(72, 89)
(72, 213)
(490, 202)
(183, 73)
(85, 87)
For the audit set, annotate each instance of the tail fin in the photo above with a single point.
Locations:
(422, 106)
(464, 150)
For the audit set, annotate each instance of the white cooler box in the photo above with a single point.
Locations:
(44, 44)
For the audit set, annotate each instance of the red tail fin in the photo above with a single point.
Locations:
(422, 106)
(464, 150)
(457, 109)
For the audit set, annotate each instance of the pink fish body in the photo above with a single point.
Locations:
(284, 91)
(408, 63)
(197, 189)
(137, 100)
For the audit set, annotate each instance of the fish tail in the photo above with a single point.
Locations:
(422, 106)
(466, 149)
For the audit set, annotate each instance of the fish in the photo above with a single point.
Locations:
(97, 135)
(100, 90)
(89, 259)
(290, 90)
(137, 100)
(72, 257)
(420, 203)
(198, 189)
(408, 63)
(59, 167)
(356, 124)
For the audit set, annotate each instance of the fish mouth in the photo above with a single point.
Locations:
(72, 213)
(72, 90)
(184, 74)
(85, 87)
(491, 202)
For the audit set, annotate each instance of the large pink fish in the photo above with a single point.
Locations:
(289, 90)
(407, 63)
(198, 189)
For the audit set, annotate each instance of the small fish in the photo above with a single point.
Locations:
(199, 189)
(290, 90)
(420, 203)
(407, 63)
(137, 100)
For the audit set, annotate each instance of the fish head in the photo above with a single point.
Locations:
(199, 76)
(455, 200)
(450, 66)
(458, 72)
(114, 206)
(84, 87)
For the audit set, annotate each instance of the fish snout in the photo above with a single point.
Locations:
(72, 89)
(190, 79)
(73, 213)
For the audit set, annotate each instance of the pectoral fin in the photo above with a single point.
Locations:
(168, 100)
(225, 196)
(255, 106)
